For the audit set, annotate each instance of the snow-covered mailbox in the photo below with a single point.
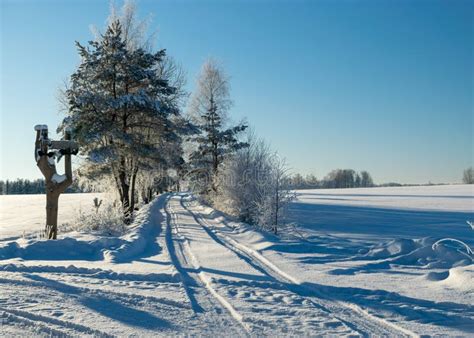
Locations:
(46, 153)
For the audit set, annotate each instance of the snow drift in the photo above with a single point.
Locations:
(82, 246)
(422, 253)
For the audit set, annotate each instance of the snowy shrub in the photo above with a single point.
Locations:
(252, 186)
(107, 220)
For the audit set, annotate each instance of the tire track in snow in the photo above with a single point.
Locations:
(350, 314)
(91, 273)
(51, 325)
(187, 257)
(129, 298)
(288, 311)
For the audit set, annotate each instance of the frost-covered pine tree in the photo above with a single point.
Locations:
(209, 106)
(122, 110)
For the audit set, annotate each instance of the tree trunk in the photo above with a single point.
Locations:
(132, 189)
(150, 194)
(53, 189)
(52, 202)
(124, 187)
(277, 205)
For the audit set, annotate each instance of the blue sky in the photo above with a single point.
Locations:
(385, 86)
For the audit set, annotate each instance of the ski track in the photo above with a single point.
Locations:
(213, 312)
(351, 315)
(291, 313)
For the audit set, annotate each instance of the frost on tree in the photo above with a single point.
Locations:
(46, 152)
(209, 106)
(124, 113)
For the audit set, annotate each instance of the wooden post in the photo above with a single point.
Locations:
(55, 184)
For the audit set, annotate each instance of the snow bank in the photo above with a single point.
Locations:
(68, 248)
(460, 278)
(142, 232)
(77, 246)
(438, 257)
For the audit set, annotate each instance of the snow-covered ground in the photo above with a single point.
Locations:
(360, 261)
(25, 214)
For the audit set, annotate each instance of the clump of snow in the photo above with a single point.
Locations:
(51, 160)
(58, 178)
(460, 278)
(40, 127)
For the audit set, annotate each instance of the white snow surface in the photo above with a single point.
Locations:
(25, 214)
(40, 127)
(58, 178)
(357, 262)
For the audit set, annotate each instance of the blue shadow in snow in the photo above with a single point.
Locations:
(310, 194)
(107, 306)
(374, 224)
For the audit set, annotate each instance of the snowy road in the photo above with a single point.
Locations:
(251, 287)
(185, 269)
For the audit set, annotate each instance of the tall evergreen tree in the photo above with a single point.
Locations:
(209, 107)
(121, 110)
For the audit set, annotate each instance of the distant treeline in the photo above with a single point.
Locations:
(23, 186)
(339, 178)
(349, 178)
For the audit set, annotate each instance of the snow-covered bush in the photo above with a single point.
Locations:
(107, 220)
(252, 186)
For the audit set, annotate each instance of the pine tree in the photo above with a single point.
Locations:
(121, 110)
(209, 107)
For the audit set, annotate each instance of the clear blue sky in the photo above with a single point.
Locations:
(385, 86)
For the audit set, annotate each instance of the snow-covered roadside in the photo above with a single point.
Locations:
(87, 246)
(379, 262)
(59, 293)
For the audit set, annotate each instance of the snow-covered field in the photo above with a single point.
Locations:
(361, 261)
(25, 214)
